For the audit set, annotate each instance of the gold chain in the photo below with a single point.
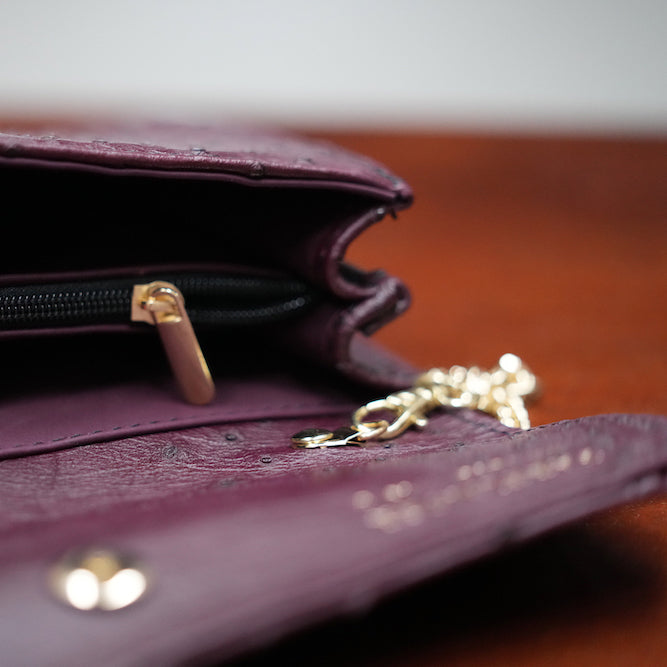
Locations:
(499, 392)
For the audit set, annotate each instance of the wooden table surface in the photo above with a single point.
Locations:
(556, 249)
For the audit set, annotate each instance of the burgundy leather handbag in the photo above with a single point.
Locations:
(180, 330)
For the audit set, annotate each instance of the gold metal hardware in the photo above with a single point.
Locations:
(98, 579)
(162, 305)
(312, 438)
(499, 392)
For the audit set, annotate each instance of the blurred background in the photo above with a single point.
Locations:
(519, 65)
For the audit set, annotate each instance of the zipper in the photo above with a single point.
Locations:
(213, 300)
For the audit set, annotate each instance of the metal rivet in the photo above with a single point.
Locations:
(98, 579)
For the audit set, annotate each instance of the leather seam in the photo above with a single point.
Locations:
(249, 415)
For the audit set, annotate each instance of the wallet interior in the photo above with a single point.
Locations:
(76, 220)
(95, 382)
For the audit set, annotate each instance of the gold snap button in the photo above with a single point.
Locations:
(98, 579)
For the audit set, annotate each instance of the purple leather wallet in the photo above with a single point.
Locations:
(152, 508)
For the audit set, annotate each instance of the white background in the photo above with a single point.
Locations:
(519, 64)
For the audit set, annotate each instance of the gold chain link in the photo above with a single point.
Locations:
(500, 392)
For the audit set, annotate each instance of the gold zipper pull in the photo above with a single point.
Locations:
(162, 305)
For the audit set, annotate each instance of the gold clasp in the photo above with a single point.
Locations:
(499, 392)
(409, 408)
(314, 438)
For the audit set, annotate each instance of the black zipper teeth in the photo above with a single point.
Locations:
(210, 299)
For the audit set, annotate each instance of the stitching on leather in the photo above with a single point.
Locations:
(458, 416)
(118, 150)
(216, 413)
